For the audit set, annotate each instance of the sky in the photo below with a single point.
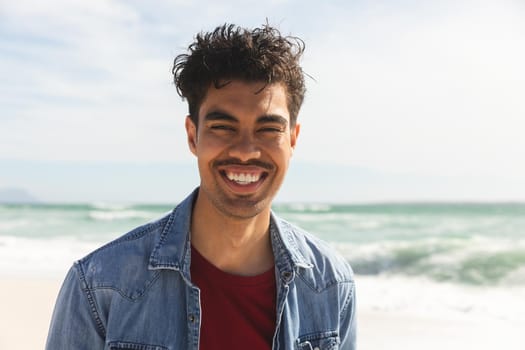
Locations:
(410, 100)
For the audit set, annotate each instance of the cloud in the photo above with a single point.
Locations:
(401, 86)
(406, 91)
(83, 83)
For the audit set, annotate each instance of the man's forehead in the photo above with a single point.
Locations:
(258, 97)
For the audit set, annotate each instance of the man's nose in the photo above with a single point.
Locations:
(244, 148)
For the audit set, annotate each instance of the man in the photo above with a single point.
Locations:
(221, 271)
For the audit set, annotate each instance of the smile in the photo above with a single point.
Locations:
(243, 178)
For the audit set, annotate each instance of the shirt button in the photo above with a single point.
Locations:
(192, 318)
(287, 276)
(316, 348)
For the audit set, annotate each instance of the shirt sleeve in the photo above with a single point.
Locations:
(348, 321)
(74, 325)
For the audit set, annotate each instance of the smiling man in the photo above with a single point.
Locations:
(221, 271)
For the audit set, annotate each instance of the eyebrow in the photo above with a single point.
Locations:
(220, 116)
(269, 118)
(272, 118)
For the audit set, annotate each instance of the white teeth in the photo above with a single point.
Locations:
(243, 179)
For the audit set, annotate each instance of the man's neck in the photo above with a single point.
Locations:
(234, 245)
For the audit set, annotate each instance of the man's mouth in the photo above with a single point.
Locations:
(243, 178)
(247, 176)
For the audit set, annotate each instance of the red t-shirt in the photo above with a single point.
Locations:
(237, 312)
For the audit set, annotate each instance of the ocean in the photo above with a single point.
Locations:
(461, 258)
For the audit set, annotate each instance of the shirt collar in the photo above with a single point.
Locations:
(173, 249)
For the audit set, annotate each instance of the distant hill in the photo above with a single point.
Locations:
(16, 195)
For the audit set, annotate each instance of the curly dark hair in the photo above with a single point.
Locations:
(234, 53)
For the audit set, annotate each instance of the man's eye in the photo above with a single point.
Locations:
(222, 127)
(270, 129)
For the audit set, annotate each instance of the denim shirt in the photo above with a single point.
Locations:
(136, 292)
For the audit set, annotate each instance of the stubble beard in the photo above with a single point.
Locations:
(240, 207)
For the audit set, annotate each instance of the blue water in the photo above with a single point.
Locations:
(472, 244)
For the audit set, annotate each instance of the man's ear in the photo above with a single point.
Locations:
(191, 133)
(294, 134)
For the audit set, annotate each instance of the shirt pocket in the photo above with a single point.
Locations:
(318, 341)
(120, 345)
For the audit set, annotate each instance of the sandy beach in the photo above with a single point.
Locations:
(27, 304)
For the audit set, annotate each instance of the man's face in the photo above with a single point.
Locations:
(243, 145)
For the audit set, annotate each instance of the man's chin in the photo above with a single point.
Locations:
(243, 207)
